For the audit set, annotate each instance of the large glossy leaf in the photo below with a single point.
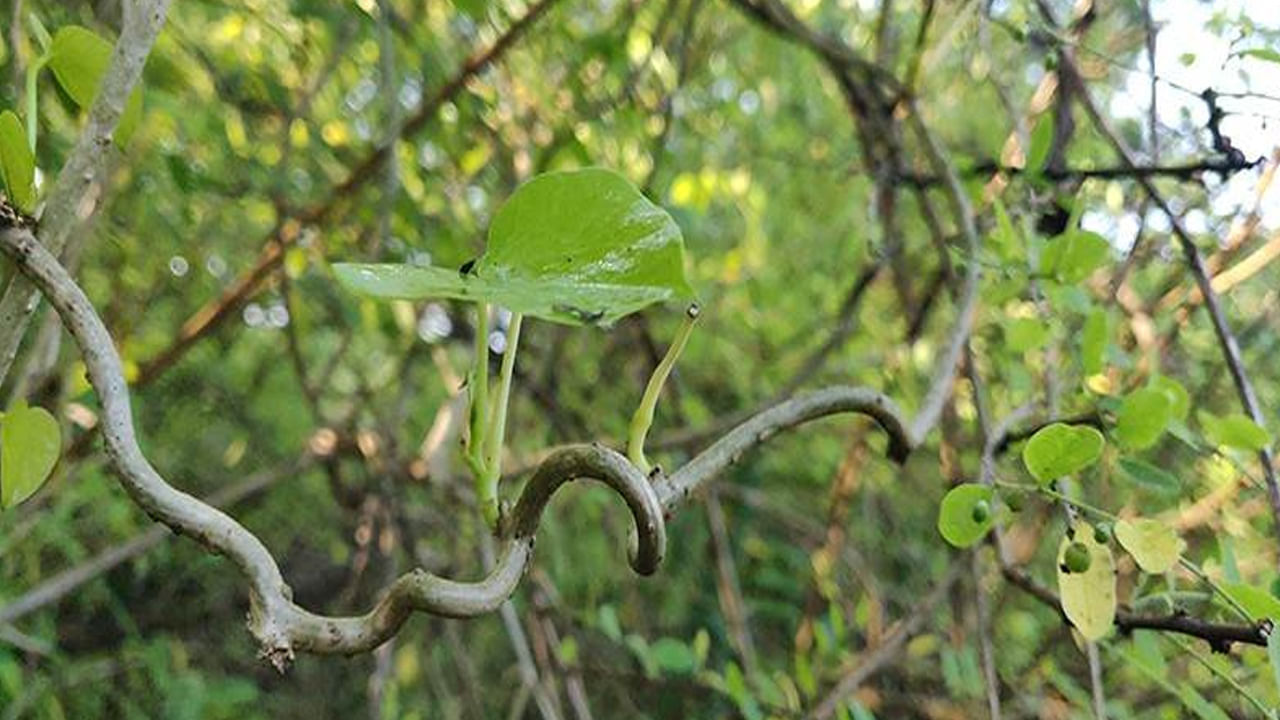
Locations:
(16, 163)
(1089, 597)
(574, 247)
(1060, 449)
(959, 520)
(79, 60)
(30, 442)
(1154, 545)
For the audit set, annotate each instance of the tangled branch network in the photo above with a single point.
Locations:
(282, 628)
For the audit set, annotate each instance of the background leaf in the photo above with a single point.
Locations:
(79, 59)
(1153, 544)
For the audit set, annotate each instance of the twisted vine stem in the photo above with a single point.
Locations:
(281, 627)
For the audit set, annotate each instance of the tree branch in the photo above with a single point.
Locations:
(80, 184)
(280, 626)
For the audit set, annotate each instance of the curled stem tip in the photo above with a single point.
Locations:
(642, 420)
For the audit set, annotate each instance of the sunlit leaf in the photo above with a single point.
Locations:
(1089, 597)
(573, 247)
(1154, 545)
(79, 60)
(30, 442)
(1059, 449)
(959, 521)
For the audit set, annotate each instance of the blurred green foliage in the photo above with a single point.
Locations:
(254, 111)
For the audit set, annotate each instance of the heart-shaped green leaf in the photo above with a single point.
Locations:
(1088, 597)
(1060, 449)
(573, 247)
(79, 59)
(1143, 417)
(958, 522)
(1154, 545)
(30, 442)
(17, 164)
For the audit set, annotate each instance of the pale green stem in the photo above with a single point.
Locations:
(478, 385)
(643, 418)
(498, 425)
(33, 74)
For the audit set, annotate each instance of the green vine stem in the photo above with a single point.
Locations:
(643, 418)
(497, 429)
(478, 392)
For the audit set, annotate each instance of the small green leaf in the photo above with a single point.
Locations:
(1093, 341)
(79, 60)
(1235, 430)
(1005, 239)
(1267, 54)
(1041, 138)
(1060, 449)
(672, 655)
(1142, 418)
(17, 165)
(1074, 255)
(1179, 400)
(1089, 597)
(573, 247)
(958, 523)
(1153, 544)
(1023, 334)
(1273, 649)
(1149, 475)
(1260, 604)
(30, 442)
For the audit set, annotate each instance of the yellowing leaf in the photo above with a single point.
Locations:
(1089, 597)
(1154, 545)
